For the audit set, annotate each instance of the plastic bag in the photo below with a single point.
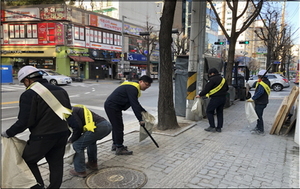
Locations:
(15, 171)
(197, 107)
(251, 115)
(149, 124)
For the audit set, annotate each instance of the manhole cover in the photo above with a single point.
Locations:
(117, 177)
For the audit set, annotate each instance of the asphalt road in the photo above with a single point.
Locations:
(92, 94)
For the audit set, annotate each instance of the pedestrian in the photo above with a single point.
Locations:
(40, 111)
(216, 89)
(123, 97)
(261, 99)
(91, 127)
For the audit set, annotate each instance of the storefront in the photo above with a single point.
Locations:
(18, 57)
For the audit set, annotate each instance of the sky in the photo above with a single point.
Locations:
(293, 18)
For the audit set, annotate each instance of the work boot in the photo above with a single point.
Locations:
(92, 165)
(210, 129)
(78, 174)
(123, 151)
(114, 147)
(219, 130)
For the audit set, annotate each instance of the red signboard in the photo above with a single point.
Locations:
(42, 33)
(2, 15)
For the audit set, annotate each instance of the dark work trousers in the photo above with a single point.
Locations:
(116, 119)
(215, 104)
(259, 109)
(53, 149)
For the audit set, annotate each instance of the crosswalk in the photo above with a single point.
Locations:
(21, 87)
(11, 88)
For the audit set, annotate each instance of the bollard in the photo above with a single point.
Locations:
(97, 78)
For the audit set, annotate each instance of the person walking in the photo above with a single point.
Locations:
(123, 97)
(216, 89)
(91, 127)
(261, 99)
(43, 109)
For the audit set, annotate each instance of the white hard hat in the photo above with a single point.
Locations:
(28, 71)
(262, 72)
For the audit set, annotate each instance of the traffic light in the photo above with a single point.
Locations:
(244, 42)
(219, 43)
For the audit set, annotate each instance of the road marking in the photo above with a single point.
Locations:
(12, 102)
(9, 118)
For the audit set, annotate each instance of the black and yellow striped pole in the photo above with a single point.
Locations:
(191, 85)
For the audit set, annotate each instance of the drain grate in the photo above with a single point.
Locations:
(116, 177)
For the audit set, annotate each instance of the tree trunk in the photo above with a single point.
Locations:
(166, 111)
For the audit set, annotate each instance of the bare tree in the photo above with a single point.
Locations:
(150, 38)
(252, 11)
(166, 112)
(180, 44)
(276, 38)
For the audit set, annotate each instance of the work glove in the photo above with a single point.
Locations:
(250, 100)
(4, 134)
(142, 123)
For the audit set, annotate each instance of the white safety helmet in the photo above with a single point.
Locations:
(29, 72)
(262, 72)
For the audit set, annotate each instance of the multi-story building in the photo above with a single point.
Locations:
(64, 38)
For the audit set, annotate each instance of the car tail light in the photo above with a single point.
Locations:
(286, 80)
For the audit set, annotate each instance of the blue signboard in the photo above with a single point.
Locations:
(276, 62)
(136, 57)
(6, 74)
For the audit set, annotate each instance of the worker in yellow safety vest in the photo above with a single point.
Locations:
(216, 89)
(261, 99)
(91, 127)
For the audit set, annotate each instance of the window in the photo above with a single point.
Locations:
(79, 33)
(99, 36)
(104, 37)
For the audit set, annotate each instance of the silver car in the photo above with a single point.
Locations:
(278, 81)
(55, 78)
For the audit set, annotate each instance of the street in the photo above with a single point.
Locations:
(92, 94)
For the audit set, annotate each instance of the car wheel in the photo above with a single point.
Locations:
(277, 87)
(53, 82)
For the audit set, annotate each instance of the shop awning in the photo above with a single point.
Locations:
(82, 59)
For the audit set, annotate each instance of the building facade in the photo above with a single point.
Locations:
(70, 40)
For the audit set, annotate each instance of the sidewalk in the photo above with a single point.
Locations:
(199, 159)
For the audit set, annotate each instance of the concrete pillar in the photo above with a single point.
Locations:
(196, 56)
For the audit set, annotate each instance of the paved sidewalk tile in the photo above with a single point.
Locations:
(200, 159)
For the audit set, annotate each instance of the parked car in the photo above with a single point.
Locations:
(278, 81)
(55, 78)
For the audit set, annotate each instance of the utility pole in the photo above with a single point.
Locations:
(196, 57)
(123, 46)
(148, 52)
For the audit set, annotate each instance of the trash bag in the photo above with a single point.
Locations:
(251, 115)
(69, 153)
(15, 172)
(197, 107)
(149, 124)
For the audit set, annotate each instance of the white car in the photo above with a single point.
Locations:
(55, 78)
(278, 81)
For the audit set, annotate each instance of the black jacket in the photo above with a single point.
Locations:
(213, 82)
(37, 116)
(123, 97)
(261, 96)
(78, 114)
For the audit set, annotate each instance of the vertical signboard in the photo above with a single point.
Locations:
(59, 34)
(42, 34)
